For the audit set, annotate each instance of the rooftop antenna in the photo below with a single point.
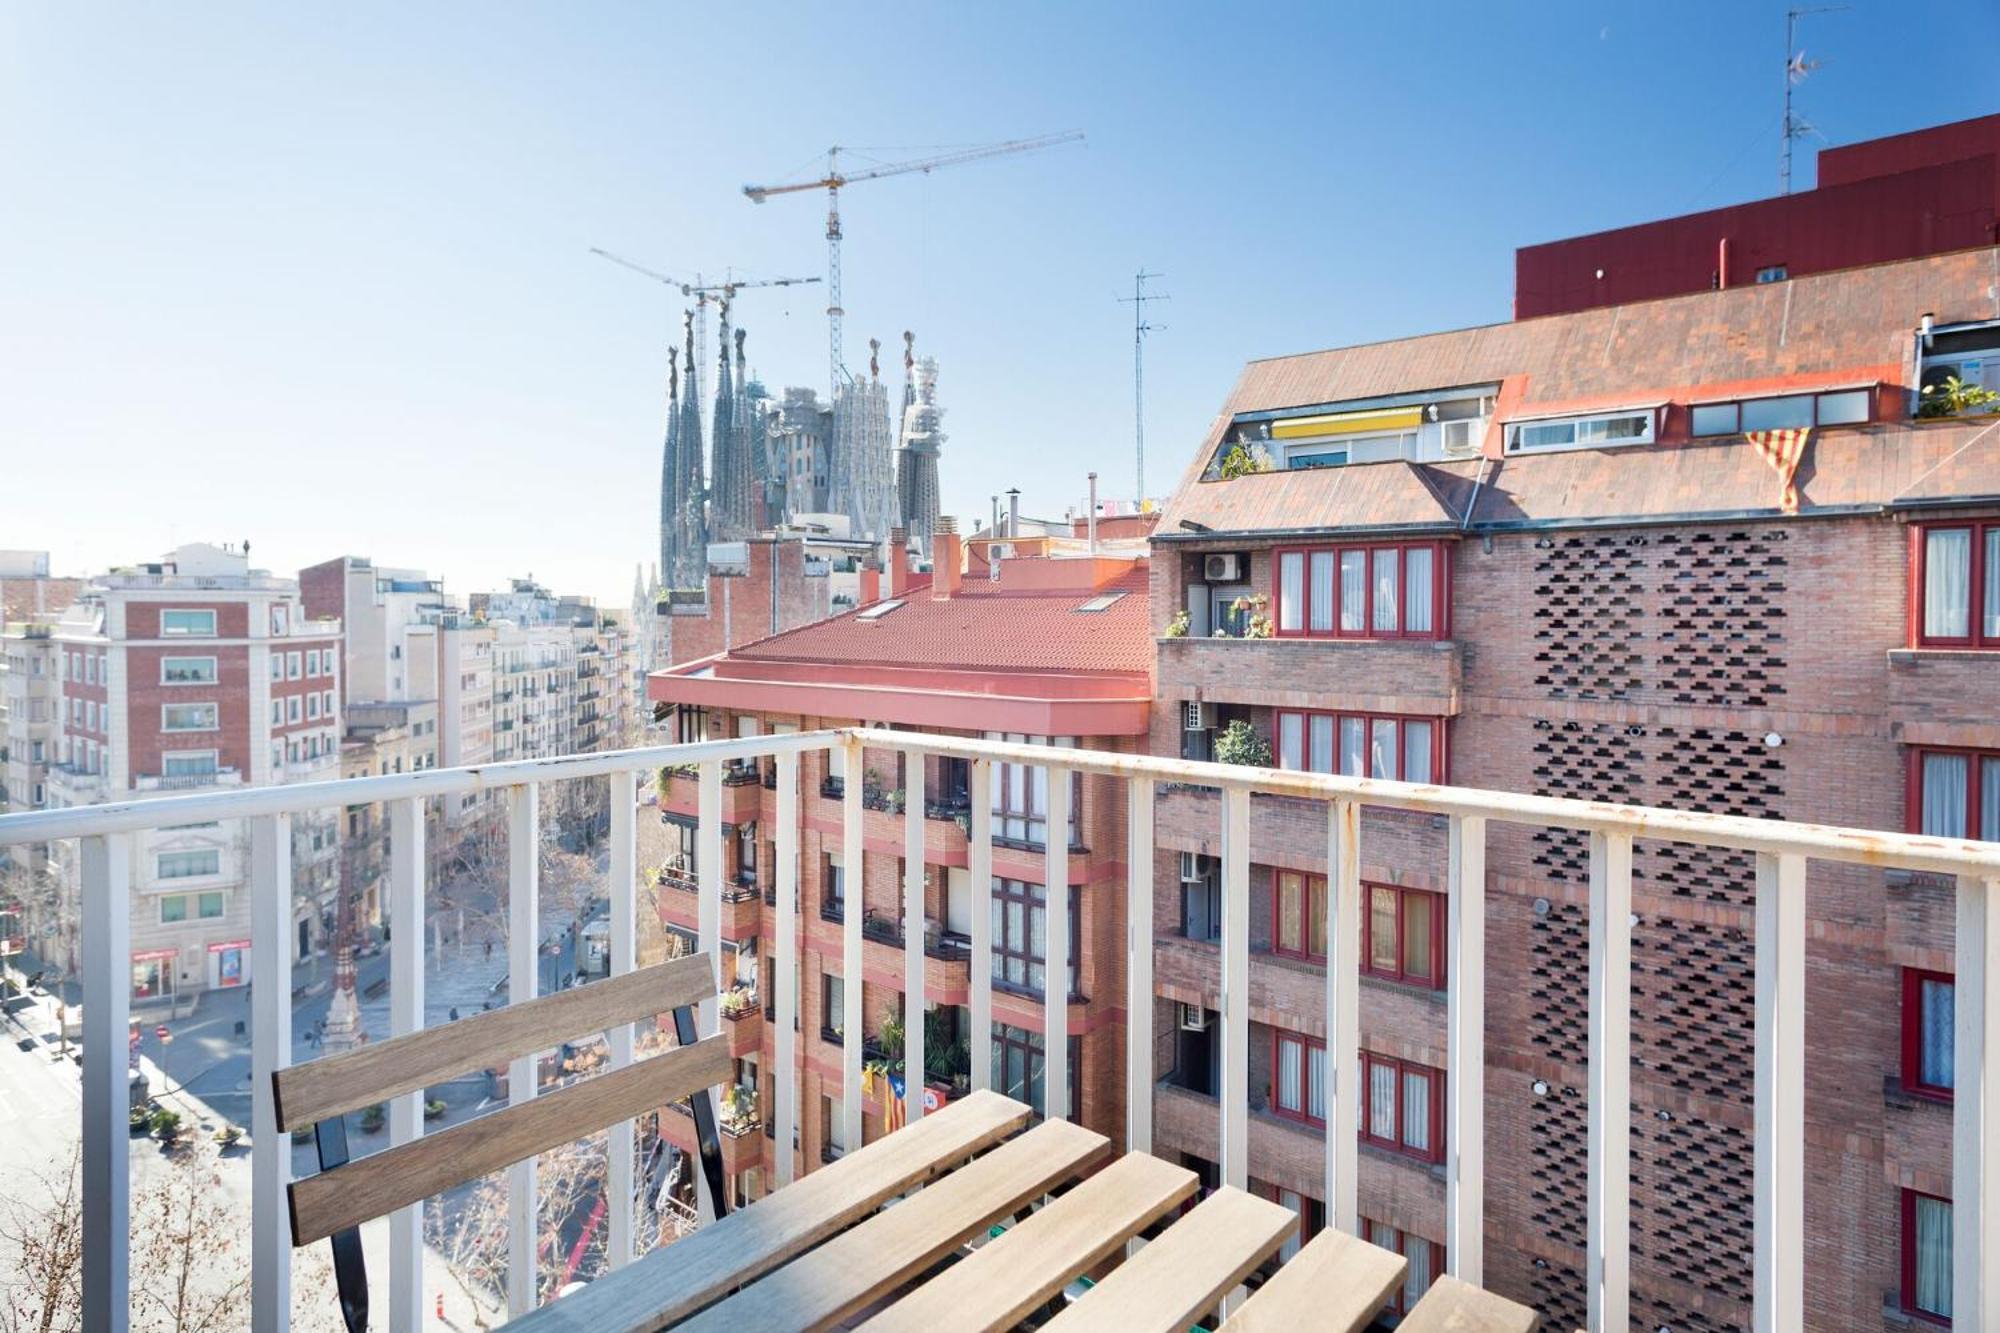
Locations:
(1140, 328)
(1797, 67)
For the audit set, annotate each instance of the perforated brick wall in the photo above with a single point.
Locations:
(1590, 617)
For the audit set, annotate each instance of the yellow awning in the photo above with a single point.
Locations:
(1347, 423)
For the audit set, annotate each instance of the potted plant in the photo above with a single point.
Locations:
(373, 1118)
(229, 1135)
(166, 1125)
(1177, 628)
(1954, 397)
(434, 1108)
(1241, 743)
(141, 1118)
(1242, 461)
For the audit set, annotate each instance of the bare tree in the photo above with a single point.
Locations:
(41, 1253)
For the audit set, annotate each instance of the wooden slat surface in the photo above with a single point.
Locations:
(370, 1186)
(676, 1280)
(1007, 1278)
(1337, 1281)
(864, 1264)
(1451, 1306)
(311, 1092)
(1184, 1272)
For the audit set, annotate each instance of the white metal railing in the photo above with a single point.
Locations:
(1781, 851)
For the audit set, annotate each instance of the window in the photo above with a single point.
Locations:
(326, 707)
(1843, 407)
(294, 665)
(312, 707)
(1298, 915)
(293, 709)
(1957, 584)
(188, 717)
(1362, 745)
(1426, 1261)
(208, 906)
(1362, 592)
(1772, 273)
(187, 763)
(1598, 432)
(189, 865)
(1928, 1032)
(832, 1005)
(1020, 936)
(1021, 795)
(1955, 794)
(312, 662)
(1018, 1067)
(1402, 935)
(1201, 897)
(90, 669)
(1927, 1256)
(1405, 1107)
(187, 671)
(277, 666)
(173, 909)
(1298, 1078)
(187, 624)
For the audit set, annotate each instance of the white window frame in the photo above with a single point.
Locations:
(1579, 424)
(294, 665)
(167, 633)
(214, 669)
(294, 710)
(312, 661)
(215, 716)
(160, 860)
(210, 759)
(277, 666)
(312, 706)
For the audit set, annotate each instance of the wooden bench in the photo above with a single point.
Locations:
(333, 1204)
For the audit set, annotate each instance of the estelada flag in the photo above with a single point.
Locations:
(1782, 449)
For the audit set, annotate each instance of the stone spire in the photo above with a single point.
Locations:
(922, 439)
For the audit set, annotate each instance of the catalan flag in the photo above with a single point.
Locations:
(1783, 450)
(893, 1113)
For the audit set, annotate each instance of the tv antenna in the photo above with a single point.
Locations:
(1140, 328)
(1797, 67)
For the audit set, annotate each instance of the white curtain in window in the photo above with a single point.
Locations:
(1417, 1111)
(1947, 582)
(1990, 613)
(1353, 747)
(1291, 740)
(1935, 1068)
(1385, 590)
(1291, 591)
(1989, 800)
(1382, 753)
(1292, 1201)
(1288, 1074)
(1417, 563)
(1353, 591)
(1418, 1278)
(1933, 1266)
(1382, 1101)
(1316, 1084)
(1416, 752)
(1322, 592)
(1322, 744)
(1944, 795)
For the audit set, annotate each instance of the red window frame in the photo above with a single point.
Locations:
(1440, 591)
(1913, 795)
(1438, 905)
(1400, 1242)
(1913, 1033)
(1439, 750)
(1303, 1115)
(1369, 1062)
(1313, 896)
(1975, 620)
(1909, 1228)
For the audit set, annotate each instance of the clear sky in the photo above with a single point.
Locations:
(319, 276)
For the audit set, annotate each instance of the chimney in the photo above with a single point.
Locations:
(871, 587)
(1014, 513)
(899, 561)
(1093, 513)
(945, 551)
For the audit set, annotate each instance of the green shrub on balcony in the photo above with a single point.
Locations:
(1242, 744)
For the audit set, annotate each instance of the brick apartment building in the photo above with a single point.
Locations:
(196, 672)
(1543, 556)
(1054, 648)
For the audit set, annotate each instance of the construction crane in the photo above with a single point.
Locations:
(835, 179)
(702, 293)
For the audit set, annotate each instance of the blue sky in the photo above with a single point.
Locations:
(319, 276)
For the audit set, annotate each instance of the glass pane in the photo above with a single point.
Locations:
(1288, 912)
(1382, 754)
(1316, 904)
(1382, 929)
(1778, 413)
(1417, 1111)
(1322, 593)
(1417, 752)
(1417, 1280)
(1417, 937)
(1291, 591)
(1843, 409)
(1990, 613)
(1944, 796)
(1935, 1036)
(1715, 419)
(1947, 582)
(1316, 1086)
(1382, 1101)
(1353, 591)
(1417, 563)
(1386, 584)
(1291, 740)
(1322, 744)
(1933, 1257)
(1353, 747)
(1989, 800)
(1288, 1074)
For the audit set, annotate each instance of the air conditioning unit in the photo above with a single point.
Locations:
(1197, 716)
(1193, 1018)
(1193, 871)
(1222, 568)
(1463, 438)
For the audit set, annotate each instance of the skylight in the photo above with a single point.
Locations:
(880, 609)
(1101, 603)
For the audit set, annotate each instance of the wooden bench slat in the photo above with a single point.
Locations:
(676, 1280)
(866, 1263)
(1000, 1283)
(1189, 1267)
(1337, 1281)
(382, 1182)
(337, 1084)
(1451, 1306)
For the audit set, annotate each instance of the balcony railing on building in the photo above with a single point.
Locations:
(1775, 994)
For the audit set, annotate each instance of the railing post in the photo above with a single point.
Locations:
(107, 1000)
(708, 923)
(913, 936)
(406, 1015)
(1610, 1185)
(853, 852)
(270, 1051)
(1465, 1123)
(1975, 1112)
(523, 954)
(979, 859)
(1139, 965)
(1235, 1089)
(784, 1079)
(1343, 1017)
(623, 924)
(1779, 1094)
(1055, 967)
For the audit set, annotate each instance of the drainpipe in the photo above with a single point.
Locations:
(1014, 513)
(1093, 513)
(1722, 263)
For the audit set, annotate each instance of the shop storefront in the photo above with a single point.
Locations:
(153, 976)
(228, 963)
